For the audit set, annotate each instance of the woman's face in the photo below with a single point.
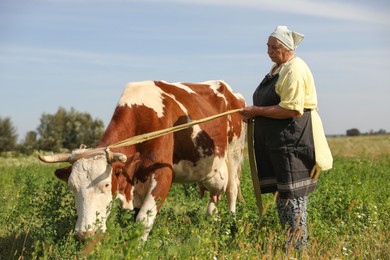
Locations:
(277, 52)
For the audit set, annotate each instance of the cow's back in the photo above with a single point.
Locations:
(198, 148)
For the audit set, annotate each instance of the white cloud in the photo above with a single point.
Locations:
(370, 11)
(328, 9)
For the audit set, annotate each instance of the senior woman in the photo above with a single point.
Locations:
(289, 142)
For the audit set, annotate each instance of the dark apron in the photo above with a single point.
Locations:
(284, 148)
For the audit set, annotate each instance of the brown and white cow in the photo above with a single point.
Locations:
(209, 154)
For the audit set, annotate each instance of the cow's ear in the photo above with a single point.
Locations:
(63, 173)
(132, 164)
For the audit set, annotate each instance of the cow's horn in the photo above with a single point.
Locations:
(113, 157)
(120, 157)
(54, 158)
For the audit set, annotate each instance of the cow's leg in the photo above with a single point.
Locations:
(213, 199)
(213, 204)
(147, 215)
(233, 186)
(234, 161)
(160, 184)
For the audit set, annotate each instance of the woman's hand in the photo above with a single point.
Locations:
(250, 112)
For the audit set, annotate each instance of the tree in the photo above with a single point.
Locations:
(51, 130)
(80, 128)
(8, 135)
(353, 132)
(30, 143)
(68, 130)
(381, 132)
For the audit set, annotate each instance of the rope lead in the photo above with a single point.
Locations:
(148, 136)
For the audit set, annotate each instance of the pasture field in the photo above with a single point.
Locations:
(349, 216)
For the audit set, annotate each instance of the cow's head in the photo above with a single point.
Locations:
(90, 180)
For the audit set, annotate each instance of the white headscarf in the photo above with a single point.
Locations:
(289, 38)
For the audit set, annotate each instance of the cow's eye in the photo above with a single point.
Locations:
(105, 187)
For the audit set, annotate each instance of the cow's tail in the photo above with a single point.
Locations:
(243, 144)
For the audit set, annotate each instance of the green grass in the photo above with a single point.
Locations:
(348, 219)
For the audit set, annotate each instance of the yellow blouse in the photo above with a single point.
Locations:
(297, 91)
(295, 86)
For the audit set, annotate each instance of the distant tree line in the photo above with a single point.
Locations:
(62, 130)
(356, 132)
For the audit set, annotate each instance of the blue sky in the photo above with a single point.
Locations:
(81, 54)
